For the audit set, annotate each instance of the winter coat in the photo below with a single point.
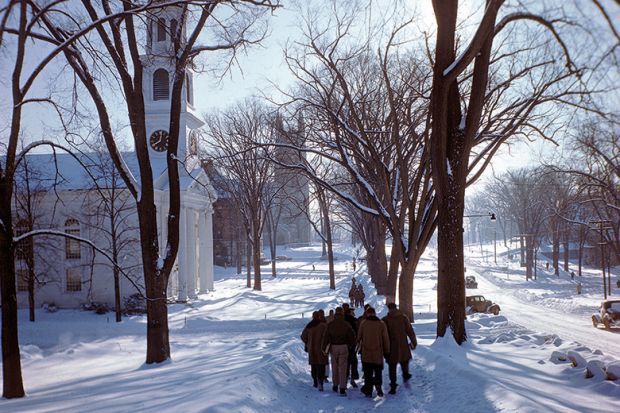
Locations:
(374, 339)
(399, 328)
(312, 336)
(352, 291)
(338, 332)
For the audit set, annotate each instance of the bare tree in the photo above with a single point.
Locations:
(238, 137)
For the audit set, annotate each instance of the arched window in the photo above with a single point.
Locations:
(173, 29)
(161, 85)
(188, 87)
(72, 246)
(161, 29)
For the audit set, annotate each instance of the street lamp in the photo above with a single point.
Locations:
(493, 218)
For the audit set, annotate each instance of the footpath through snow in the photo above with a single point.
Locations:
(238, 350)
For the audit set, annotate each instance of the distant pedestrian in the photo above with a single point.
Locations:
(338, 337)
(354, 264)
(352, 372)
(360, 296)
(313, 267)
(352, 293)
(399, 329)
(312, 336)
(374, 343)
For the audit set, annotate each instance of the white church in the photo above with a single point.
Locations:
(56, 192)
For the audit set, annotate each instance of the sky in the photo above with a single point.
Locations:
(252, 75)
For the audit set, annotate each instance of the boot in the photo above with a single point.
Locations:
(379, 390)
(367, 390)
(315, 383)
(393, 388)
(406, 376)
(353, 383)
(320, 385)
(335, 387)
(343, 392)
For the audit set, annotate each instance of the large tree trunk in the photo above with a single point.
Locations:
(11, 364)
(405, 288)
(155, 283)
(248, 263)
(330, 252)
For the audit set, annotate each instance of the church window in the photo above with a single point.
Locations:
(161, 85)
(74, 280)
(22, 280)
(173, 29)
(72, 246)
(188, 88)
(161, 29)
(23, 246)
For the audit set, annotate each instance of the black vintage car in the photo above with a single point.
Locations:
(608, 315)
(470, 282)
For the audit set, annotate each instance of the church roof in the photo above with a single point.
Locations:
(66, 172)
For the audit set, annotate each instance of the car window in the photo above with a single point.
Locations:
(615, 306)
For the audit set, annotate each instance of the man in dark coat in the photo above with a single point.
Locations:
(352, 292)
(374, 343)
(352, 372)
(360, 296)
(339, 336)
(399, 328)
(312, 336)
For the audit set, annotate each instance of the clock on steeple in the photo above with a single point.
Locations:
(166, 30)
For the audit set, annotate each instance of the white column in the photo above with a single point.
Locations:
(209, 251)
(181, 256)
(191, 252)
(202, 251)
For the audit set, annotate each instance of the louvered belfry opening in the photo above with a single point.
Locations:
(161, 85)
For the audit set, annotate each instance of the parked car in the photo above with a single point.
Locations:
(479, 304)
(608, 315)
(470, 282)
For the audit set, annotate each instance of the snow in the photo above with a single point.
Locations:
(238, 350)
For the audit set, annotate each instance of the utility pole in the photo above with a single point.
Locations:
(602, 244)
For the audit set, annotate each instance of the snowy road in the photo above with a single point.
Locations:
(556, 313)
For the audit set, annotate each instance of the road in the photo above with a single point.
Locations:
(574, 325)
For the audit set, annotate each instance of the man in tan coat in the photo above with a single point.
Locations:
(339, 336)
(399, 329)
(312, 336)
(374, 343)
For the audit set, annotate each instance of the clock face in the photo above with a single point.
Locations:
(159, 140)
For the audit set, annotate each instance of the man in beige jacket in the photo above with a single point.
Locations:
(374, 344)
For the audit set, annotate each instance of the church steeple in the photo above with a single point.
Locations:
(165, 29)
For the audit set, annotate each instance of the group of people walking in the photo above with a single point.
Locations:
(343, 338)
(356, 294)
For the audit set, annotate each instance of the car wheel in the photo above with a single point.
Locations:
(606, 323)
(594, 321)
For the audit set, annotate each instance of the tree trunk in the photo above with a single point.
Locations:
(256, 250)
(117, 295)
(556, 253)
(330, 249)
(238, 255)
(248, 263)
(13, 385)
(31, 279)
(451, 268)
(392, 276)
(405, 289)
(566, 252)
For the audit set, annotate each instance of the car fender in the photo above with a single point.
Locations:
(598, 317)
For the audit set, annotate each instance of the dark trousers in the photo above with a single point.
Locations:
(352, 372)
(318, 372)
(372, 374)
(404, 367)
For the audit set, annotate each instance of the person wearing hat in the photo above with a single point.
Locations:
(312, 336)
(339, 336)
(399, 329)
(374, 343)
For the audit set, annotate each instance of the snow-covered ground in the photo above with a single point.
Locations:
(238, 350)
